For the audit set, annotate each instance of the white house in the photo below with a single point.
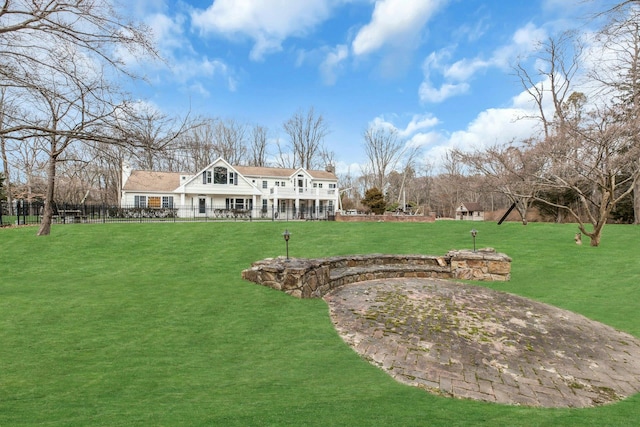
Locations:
(470, 212)
(224, 190)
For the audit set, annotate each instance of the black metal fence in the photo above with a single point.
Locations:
(23, 213)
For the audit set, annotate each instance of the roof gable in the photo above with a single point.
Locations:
(210, 166)
(301, 171)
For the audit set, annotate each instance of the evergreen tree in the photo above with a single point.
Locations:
(374, 200)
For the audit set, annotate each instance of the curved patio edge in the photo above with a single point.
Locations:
(314, 277)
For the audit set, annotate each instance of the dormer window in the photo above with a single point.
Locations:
(219, 175)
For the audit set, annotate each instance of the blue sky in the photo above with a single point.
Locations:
(439, 71)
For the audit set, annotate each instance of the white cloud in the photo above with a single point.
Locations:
(332, 63)
(457, 75)
(394, 22)
(199, 89)
(495, 125)
(195, 69)
(268, 22)
(167, 32)
(490, 127)
(351, 169)
(425, 139)
(415, 133)
(419, 122)
(524, 41)
(429, 93)
(464, 69)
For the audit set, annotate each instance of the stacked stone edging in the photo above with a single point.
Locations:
(313, 278)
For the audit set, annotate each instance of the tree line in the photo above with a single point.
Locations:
(66, 126)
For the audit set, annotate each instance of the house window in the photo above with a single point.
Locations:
(233, 178)
(206, 177)
(167, 202)
(239, 203)
(219, 175)
(140, 201)
(282, 183)
(332, 185)
(264, 184)
(315, 185)
(277, 183)
(154, 202)
(320, 185)
(264, 205)
(330, 207)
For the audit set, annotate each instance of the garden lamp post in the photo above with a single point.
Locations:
(286, 236)
(474, 233)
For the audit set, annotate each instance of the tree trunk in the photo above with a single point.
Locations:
(47, 215)
(7, 173)
(594, 235)
(636, 202)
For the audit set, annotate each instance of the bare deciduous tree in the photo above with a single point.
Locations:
(600, 168)
(5, 104)
(508, 170)
(55, 55)
(383, 149)
(559, 61)
(258, 146)
(197, 148)
(66, 111)
(306, 132)
(152, 135)
(620, 72)
(230, 140)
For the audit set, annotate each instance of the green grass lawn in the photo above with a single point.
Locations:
(151, 324)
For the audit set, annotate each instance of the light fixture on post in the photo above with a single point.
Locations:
(474, 233)
(286, 236)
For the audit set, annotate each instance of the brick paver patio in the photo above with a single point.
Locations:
(472, 342)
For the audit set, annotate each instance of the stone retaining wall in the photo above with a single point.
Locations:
(313, 278)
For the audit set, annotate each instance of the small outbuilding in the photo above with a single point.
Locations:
(470, 212)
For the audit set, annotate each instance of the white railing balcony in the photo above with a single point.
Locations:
(303, 192)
